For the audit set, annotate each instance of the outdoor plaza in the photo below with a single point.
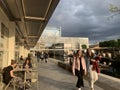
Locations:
(53, 77)
(21, 26)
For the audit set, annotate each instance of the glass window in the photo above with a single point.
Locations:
(3, 45)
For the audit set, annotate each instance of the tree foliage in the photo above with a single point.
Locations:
(114, 9)
(111, 43)
(84, 46)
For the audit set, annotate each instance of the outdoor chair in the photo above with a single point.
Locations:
(33, 77)
(1, 83)
(11, 83)
(35, 66)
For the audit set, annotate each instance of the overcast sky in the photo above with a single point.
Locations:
(87, 18)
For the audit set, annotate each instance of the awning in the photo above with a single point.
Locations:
(30, 16)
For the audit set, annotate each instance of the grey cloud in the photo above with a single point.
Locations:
(87, 18)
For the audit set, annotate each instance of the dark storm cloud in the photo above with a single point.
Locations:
(87, 18)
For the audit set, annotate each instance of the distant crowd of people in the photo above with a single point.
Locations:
(43, 56)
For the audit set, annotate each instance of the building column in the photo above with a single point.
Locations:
(1, 52)
(23, 51)
(26, 52)
(11, 44)
(0, 30)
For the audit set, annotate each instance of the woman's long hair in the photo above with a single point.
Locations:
(89, 53)
(27, 60)
(77, 53)
(29, 63)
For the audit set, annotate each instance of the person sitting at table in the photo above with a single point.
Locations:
(27, 65)
(8, 74)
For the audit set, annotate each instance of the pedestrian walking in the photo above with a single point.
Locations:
(21, 59)
(38, 54)
(79, 68)
(92, 67)
(46, 56)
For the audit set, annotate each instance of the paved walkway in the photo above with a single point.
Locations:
(52, 77)
(108, 82)
(105, 82)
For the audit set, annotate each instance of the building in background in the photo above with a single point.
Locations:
(52, 41)
(48, 37)
(52, 36)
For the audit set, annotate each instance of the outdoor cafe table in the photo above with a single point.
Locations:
(23, 71)
(25, 75)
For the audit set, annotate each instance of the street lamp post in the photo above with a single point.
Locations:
(54, 50)
(59, 35)
(60, 32)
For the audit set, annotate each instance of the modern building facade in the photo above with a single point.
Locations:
(52, 38)
(73, 43)
(68, 44)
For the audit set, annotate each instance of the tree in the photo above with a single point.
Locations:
(84, 46)
(110, 43)
(118, 43)
(104, 44)
(114, 9)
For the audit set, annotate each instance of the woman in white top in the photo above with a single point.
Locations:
(79, 68)
(93, 68)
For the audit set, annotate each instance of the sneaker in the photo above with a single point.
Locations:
(79, 88)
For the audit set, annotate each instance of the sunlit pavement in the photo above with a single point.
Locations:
(53, 77)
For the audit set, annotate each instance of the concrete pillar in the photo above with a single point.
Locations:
(26, 52)
(23, 51)
(1, 58)
(0, 29)
(11, 46)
